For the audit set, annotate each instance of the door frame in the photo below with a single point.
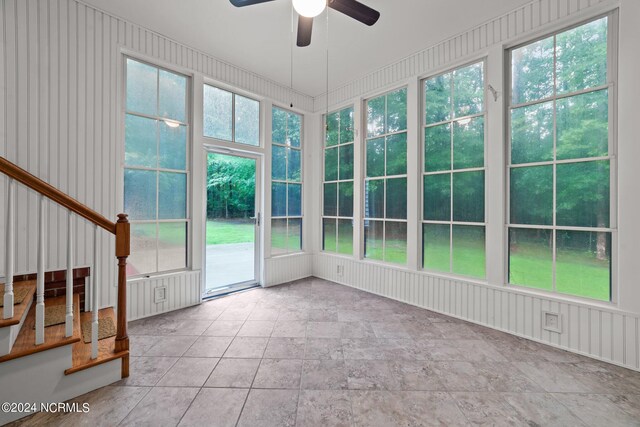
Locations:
(258, 240)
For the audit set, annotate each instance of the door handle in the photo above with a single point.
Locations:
(256, 219)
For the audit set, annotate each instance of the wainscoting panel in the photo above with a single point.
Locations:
(286, 268)
(599, 332)
(181, 290)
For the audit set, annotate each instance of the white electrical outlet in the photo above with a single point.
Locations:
(340, 270)
(159, 294)
(552, 322)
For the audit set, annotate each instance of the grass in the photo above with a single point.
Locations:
(221, 232)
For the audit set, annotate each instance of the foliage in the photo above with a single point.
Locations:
(230, 187)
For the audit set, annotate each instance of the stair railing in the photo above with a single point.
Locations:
(121, 230)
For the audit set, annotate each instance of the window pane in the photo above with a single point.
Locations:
(395, 242)
(346, 162)
(140, 194)
(140, 141)
(173, 147)
(531, 258)
(345, 195)
(582, 57)
(583, 264)
(247, 121)
(278, 162)
(583, 194)
(532, 133)
(396, 111)
(345, 236)
(397, 154)
(375, 157)
(437, 148)
(294, 200)
(143, 250)
(293, 130)
(583, 125)
(346, 125)
(329, 235)
(218, 113)
(469, 251)
(375, 116)
(293, 165)
(331, 164)
(331, 199)
(279, 126)
(172, 195)
(295, 235)
(373, 239)
(172, 246)
(278, 236)
(396, 203)
(532, 195)
(437, 98)
(436, 246)
(374, 198)
(333, 129)
(468, 143)
(278, 199)
(532, 71)
(437, 197)
(142, 89)
(468, 196)
(468, 90)
(173, 96)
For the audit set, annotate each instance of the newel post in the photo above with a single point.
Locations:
(122, 252)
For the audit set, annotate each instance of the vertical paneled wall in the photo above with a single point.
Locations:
(60, 118)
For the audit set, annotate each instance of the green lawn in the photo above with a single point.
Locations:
(221, 232)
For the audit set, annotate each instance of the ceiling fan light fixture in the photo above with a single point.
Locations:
(309, 8)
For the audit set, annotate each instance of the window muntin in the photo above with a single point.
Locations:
(337, 214)
(231, 117)
(453, 216)
(385, 185)
(156, 168)
(286, 182)
(560, 157)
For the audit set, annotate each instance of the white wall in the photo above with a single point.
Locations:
(61, 77)
(606, 331)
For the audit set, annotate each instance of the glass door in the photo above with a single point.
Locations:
(233, 221)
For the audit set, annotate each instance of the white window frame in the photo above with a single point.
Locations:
(451, 223)
(612, 86)
(337, 217)
(364, 179)
(188, 153)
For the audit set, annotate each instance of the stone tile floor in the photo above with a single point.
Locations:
(315, 353)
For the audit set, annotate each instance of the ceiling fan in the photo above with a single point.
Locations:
(308, 9)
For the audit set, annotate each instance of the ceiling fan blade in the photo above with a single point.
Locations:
(305, 25)
(243, 3)
(356, 10)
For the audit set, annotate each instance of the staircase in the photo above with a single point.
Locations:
(48, 364)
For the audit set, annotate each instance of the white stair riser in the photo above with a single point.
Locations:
(9, 334)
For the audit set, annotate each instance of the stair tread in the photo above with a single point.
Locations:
(18, 309)
(106, 347)
(53, 335)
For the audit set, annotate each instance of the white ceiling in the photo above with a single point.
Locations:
(259, 38)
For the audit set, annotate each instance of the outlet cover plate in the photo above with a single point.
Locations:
(159, 294)
(552, 322)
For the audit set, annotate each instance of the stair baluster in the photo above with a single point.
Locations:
(94, 297)
(9, 260)
(68, 323)
(40, 274)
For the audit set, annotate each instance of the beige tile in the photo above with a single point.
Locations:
(228, 405)
(278, 373)
(209, 347)
(224, 328)
(174, 346)
(162, 406)
(189, 372)
(256, 328)
(269, 408)
(324, 375)
(234, 373)
(285, 348)
(324, 408)
(247, 347)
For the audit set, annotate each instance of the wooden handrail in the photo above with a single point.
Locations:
(121, 230)
(52, 193)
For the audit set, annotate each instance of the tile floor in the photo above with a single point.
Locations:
(314, 353)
